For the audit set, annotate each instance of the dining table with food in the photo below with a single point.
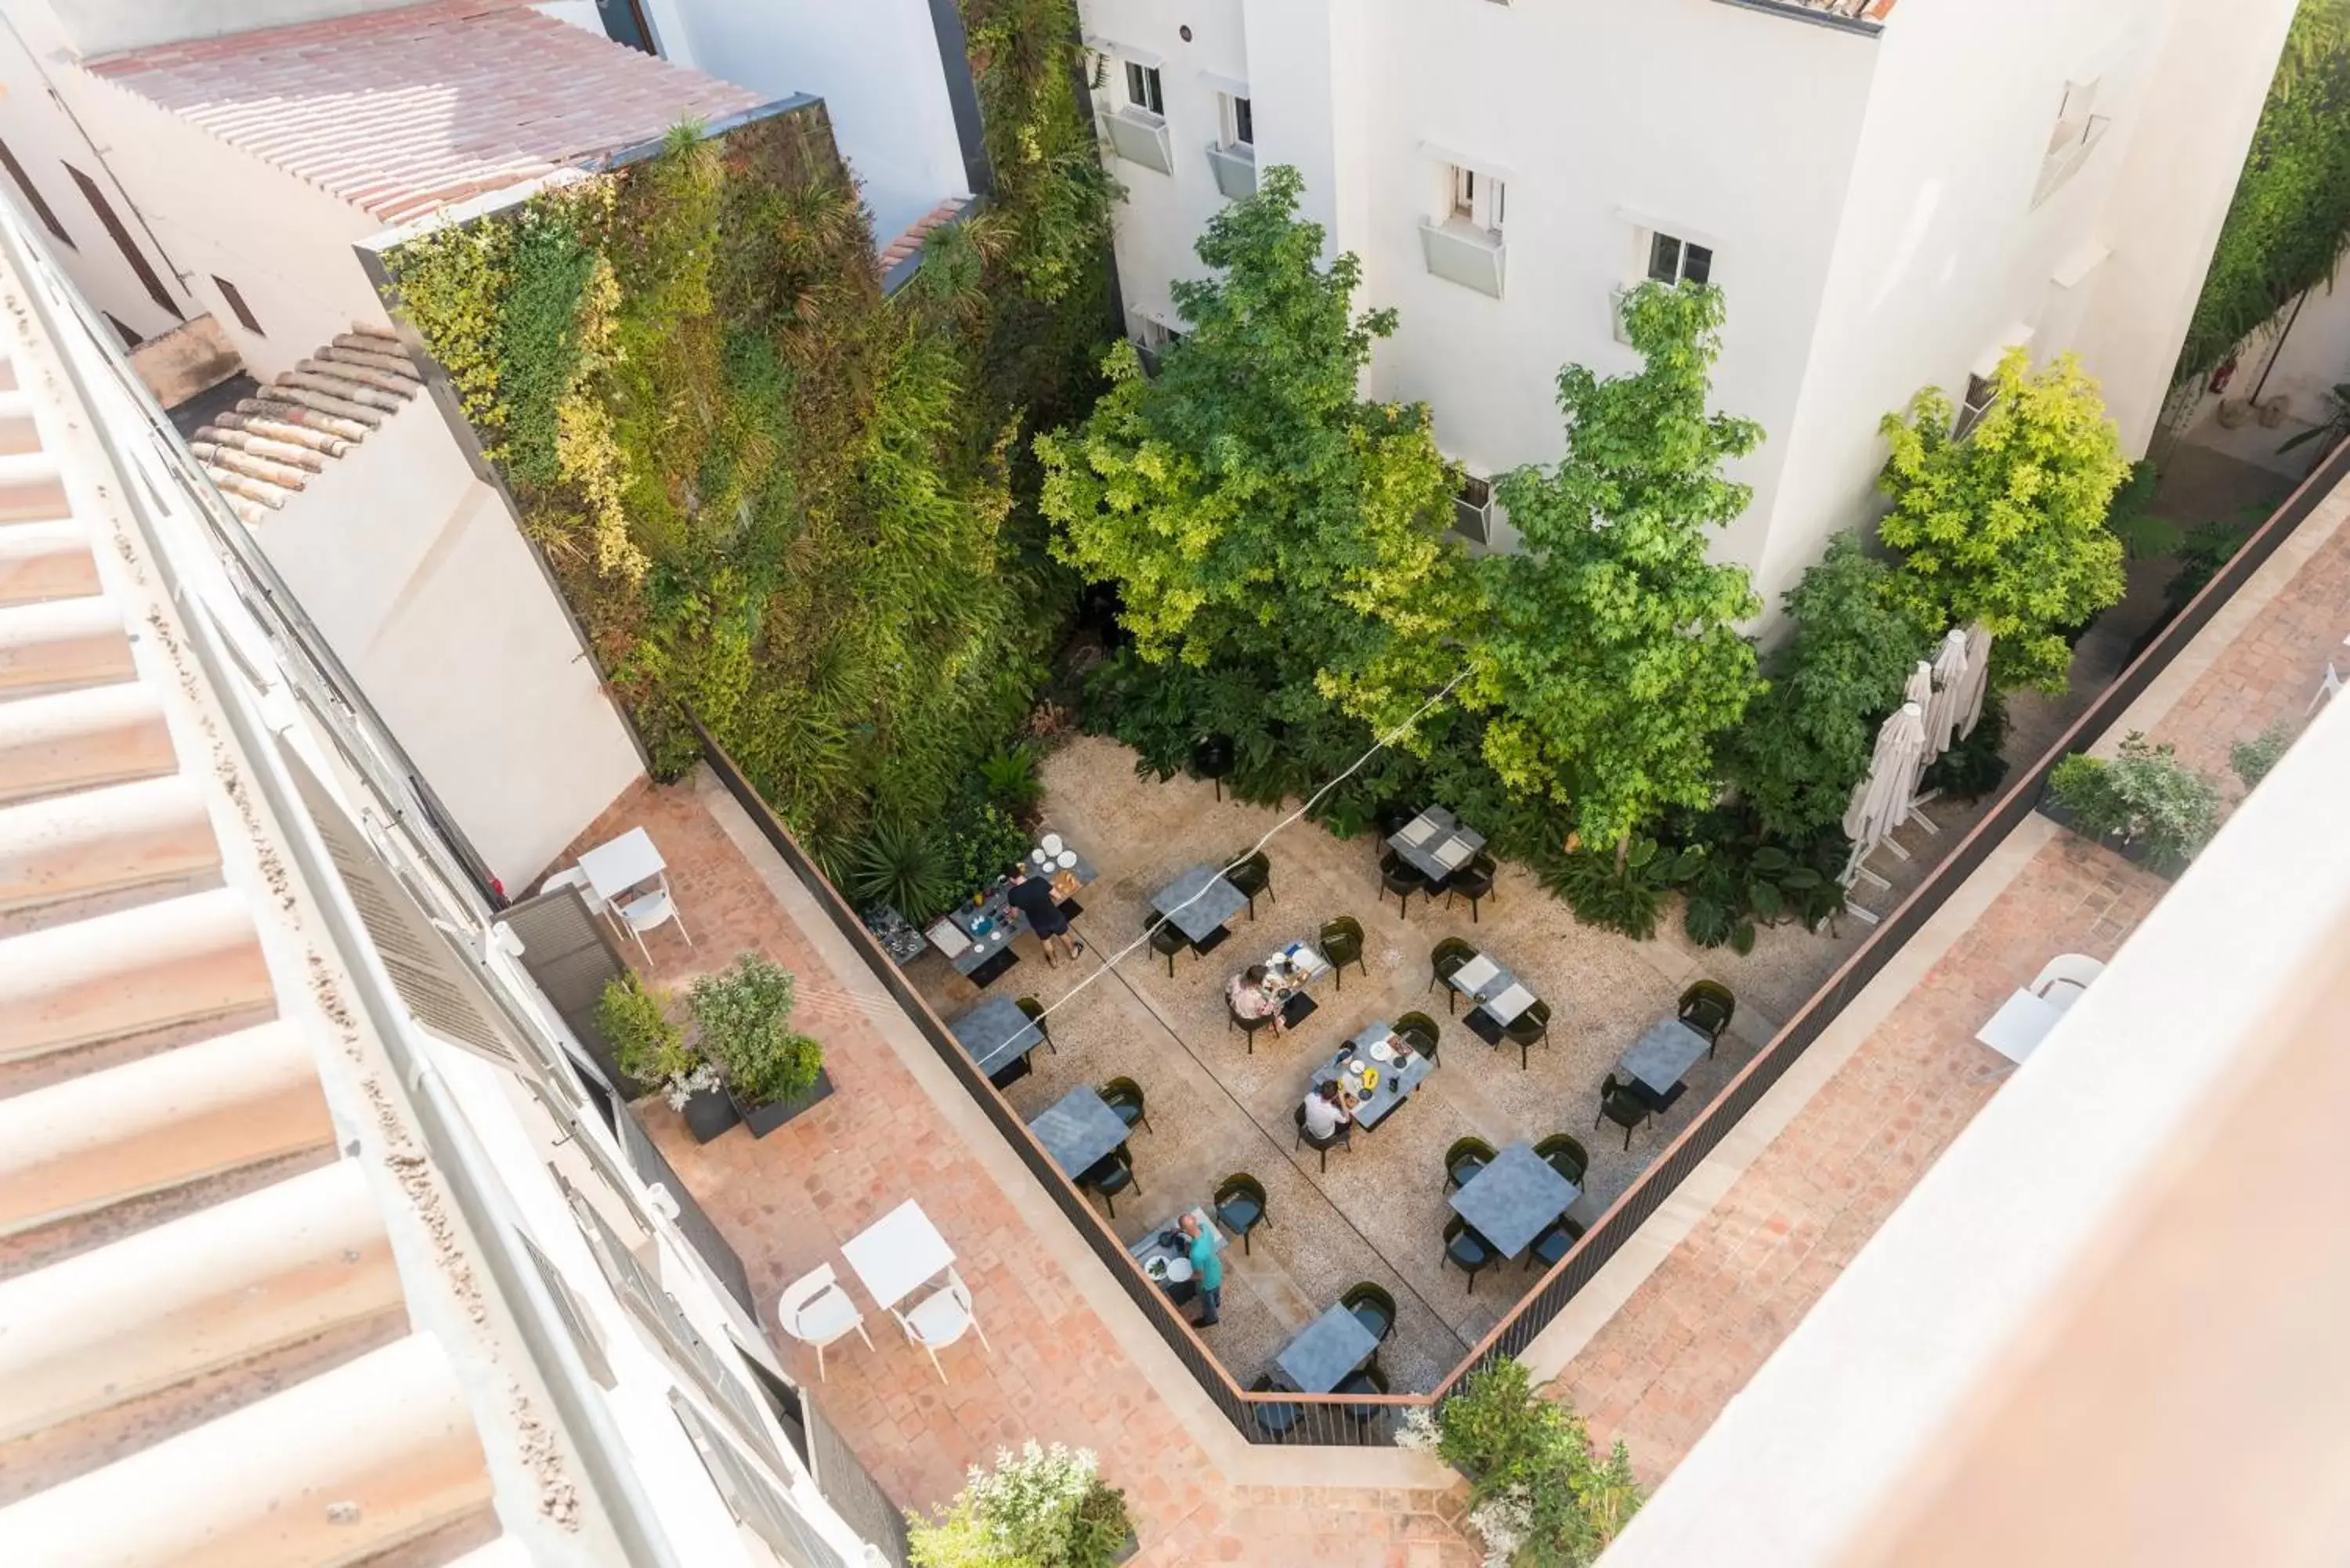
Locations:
(976, 936)
(1166, 1256)
(1376, 1071)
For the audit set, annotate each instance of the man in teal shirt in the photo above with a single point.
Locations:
(1207, 1266)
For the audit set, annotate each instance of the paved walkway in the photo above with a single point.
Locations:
(1062, 1368)
(1659, 1369)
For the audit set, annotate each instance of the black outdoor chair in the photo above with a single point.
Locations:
(1620, 1105)
(1345, 1138)
(1278, 1420)
(1124, 1095)
(1564, 1153)
(1394, 817)
(1474, 882)
(1445, 960)
(1402, 879)
(1342, 944)
(1528, 1030)
(1368, 1380)
(1708, 1008)
(1464, 1159)
(1167, 942)
(1553, 1244)
(1211, 758)
(1252, 874)
(1468, 1251)
(1035, 1011)
(1374, 1309)
(1419, 1032)
(1247, 1026)
(1240, 1205)
(1110, 1175)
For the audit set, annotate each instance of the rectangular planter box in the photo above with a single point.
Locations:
(709, 1114)
(765, 1120)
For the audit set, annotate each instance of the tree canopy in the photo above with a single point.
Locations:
(1611, 655)
(2007, 525)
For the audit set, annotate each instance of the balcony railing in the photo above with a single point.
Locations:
(1140, 136)
(1235, 169)
(1461, 253)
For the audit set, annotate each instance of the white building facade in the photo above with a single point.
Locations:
(1887, 199)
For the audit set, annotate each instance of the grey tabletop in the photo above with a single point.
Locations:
(1394, 1087)
(1663, 1056)
(1435, 844)
(993, 922)
(1198, 918)
(1326, 1352)
(1513, 1199)
(995, 1033)
(1151, 1246)
(1078, 1129)
(1481, 979)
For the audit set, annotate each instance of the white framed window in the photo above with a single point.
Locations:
(1674, 260)
(2078, 130)
(1472, 510)
(1238, 122)
(1479, 199)
(1142, 89)
(1982, 393)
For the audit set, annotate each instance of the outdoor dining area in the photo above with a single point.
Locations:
(907, 1269)
(1320, 1167)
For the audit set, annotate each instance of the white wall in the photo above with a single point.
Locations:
(416, 573)
(876, 65)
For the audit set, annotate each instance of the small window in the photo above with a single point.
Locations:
(753, 1497)
(1472, 511)
(1240, 124)
(237, 306)
(1154, 338)
(574, 1316)
(121, 238)
(1674, 260)
(1477, 199)
(2077, 132)
(123, 330)
(1982, 393)
(41, 208)
(1143, 88)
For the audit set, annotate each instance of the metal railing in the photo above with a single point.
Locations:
(1265, 1415)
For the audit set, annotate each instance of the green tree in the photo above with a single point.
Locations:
(1250, 506)
(1611, 656)
(1806, 738)
(2007, 527)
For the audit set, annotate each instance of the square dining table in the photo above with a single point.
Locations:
(996, 1034)
(1078, 1130)
(1395, 1087)
(899, 1254)
(1434, 843)
(1327, 1352)
(1199, 902)
(622, 864)
(1514, 1199)
(1660, 1059)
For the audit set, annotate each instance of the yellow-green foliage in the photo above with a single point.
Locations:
(777, 498)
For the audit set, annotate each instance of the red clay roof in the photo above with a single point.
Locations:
(401, 112)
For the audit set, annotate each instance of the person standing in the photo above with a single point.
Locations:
(1032, 896)
(1207, 1268)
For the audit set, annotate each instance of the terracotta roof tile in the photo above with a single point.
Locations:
(261, 453)
(913, 239)
(401, 112)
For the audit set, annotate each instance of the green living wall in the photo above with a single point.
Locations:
(775, 496)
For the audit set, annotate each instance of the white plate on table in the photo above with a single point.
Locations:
(1382, 1052)
(1067, 860)
(1178, 1270)
(1156, 1268)
(1052, 842)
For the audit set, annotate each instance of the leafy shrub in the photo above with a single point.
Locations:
(2146, 796)
(1628, 900)
(982, 843)
(1041, 1507)
(745, 1014)
(2203, 551)
(1537, 1492)
(646, 1044)
(901, 864)
(1736, 878)
(1973, 768)
(2252, 760)
(1010, 777)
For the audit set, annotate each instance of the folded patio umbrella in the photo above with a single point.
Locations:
(1920, 690)
(1881, 800)
(1944, 712)
(1977, 678)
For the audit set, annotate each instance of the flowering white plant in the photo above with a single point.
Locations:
(1504, 1520)
(1419, 1433)
(685, 1086)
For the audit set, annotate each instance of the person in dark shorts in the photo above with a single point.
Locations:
(1032, 896)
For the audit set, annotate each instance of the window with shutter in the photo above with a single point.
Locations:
(757, 1499)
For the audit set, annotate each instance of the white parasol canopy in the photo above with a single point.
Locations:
(1944, 713)
(1920, 690)
(1977, 678)
(1881, 800)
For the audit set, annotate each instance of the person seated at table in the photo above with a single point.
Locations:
(1254, 993)
(1327, 1112)
(1207, 1280)
(1032, 896)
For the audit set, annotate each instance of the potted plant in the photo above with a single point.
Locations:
(1538, 1494)
(650, 1051)
(744, 1013)
(2147, 805)
(1041, 1507)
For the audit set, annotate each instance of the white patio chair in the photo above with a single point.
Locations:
(647, 911)
(815, 1311)
(942, 1318)
(2325, 688)
(2066, 976)
(576, 876)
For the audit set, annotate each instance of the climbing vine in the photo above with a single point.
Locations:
(779, 500)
